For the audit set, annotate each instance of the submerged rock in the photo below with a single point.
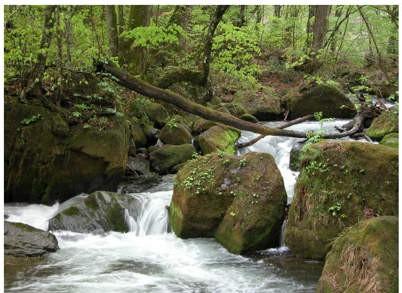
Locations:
(175, 133)
(382, 125)
(321, 98)
(238, 200)
(46, 160)
(364, 258)
(341, 182)
(97, 212)
(166, 158)
(24, 240)
(218, 138)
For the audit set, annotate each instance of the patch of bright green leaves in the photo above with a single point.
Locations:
(31, 120)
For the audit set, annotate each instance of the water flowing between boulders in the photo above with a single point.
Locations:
(150, 258)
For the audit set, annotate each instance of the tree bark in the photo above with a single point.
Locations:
(36, 75)
(111, 20)
(125, 79)
(320, 26)
(242, 16)
(277, 10)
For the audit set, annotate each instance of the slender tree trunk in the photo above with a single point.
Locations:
(309, 28)
(69, 33)
(111, 20)
(242, 16)
(320, 26)
(379, 56)
(36, 75)
(215, 20)
(277, 10)
(182, 17)
(120, 19)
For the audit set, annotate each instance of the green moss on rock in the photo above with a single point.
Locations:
(391, 140)
(175, 133)
(364, 258)
(218, 138)
(165, 158)
(238, 200)
(340, 182)
(321, 98)
(382, 125)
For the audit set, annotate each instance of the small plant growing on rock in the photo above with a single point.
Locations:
(30, 120)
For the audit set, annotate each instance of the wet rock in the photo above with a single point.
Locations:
(24, 240)
(340, 183)
(294, 163)
(363, 259)
(166, 157)
(217, 138)
(238, 200)
(175, 133)
(48, 161)
(382, 125)
(145, 109)
(321, 98)
(96, 213)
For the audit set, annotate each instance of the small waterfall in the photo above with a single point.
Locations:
(152, 217)
(282, 237)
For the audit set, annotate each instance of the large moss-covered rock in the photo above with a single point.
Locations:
(175, 133)
(340, 182)
(384, 124)
(321, 98)
(363, 258)
(97, 212)
(263, 104)
(391, 140)
(138, 134)
(146, 109)
(200, 125)
(239, 200)
(47, 160)
(24, 240)
(167, 157)
(218, 138)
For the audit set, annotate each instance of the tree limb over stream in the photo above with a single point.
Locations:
(123, 78)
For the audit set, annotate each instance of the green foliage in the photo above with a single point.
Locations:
(31, 120)
(316, 167)
(234, 50)
(153, 36)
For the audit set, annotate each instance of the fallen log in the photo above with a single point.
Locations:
(284, 125)
(125, 79)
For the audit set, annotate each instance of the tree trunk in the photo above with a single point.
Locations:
(242, 16)
(111, 20)
(215, 19)
(320, 26)
(182, 17)
(277, 10)
(140, 15)
(36, 75)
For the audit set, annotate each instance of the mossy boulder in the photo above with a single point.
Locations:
(364, 258)
(97, 212)
(165, 158)
(175, 133)
(46, 160)
(146, 109)
(138, 134)
(321, 98)
(263, 104)
(382, 125)
(340, 183)
(218, 138)
(22, 240)
(200, 125)
(391, 140)
(238, 200)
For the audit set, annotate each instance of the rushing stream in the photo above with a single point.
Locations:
(149, 259)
